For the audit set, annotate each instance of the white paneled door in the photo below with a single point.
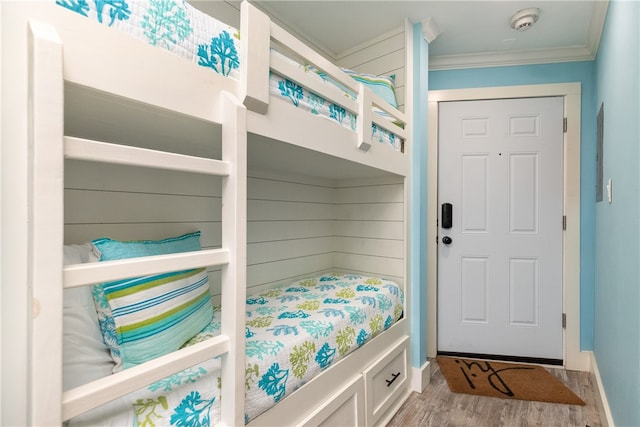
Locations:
(500, 182)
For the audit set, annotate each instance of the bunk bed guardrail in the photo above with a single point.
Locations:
(258, 59)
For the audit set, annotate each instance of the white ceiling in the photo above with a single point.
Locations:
(472, 33)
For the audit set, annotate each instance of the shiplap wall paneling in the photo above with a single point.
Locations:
(127, 203)
(108, 118)
(289, 230)
(370, 228)
(382, 56)
(294, 228)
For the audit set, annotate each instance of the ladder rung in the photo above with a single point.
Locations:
(86, 149)
(96, 272)
(81, 399)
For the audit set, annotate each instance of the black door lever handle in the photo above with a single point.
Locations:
(447, 240)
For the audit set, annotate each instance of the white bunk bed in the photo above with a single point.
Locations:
(119, 75)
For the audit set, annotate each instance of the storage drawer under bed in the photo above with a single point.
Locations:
(345, 408)
(385, 380)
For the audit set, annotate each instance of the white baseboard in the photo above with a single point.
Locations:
(601, 398)
(420, 377)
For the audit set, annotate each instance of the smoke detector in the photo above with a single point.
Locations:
(525, 18)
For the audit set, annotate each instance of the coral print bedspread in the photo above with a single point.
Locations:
(173, 25)
(296, 331)
(293, 332)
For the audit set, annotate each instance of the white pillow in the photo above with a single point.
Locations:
(85, 356)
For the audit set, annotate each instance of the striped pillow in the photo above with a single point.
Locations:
(383, 86)
(142, 318)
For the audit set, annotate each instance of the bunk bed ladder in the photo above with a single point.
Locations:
(48, 277)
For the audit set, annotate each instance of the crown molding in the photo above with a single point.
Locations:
(596, 25)
(430, 29)
(587, 52)
(498, 59)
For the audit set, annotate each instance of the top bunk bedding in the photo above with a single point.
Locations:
(199, 38)
(173, 25)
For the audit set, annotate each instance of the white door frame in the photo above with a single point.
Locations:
(574, 359)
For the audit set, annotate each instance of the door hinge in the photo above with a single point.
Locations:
(564, 321)
(564, 125)
(564, 222)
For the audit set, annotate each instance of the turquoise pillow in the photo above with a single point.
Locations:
(142, 318)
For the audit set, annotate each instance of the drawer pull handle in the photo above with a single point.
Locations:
(395, 377)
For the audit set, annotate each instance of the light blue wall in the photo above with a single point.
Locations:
(617, 239)
(419, 198)
(583, 72)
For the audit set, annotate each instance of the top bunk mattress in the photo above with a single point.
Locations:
(180, 28)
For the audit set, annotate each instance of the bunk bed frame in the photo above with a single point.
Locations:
(356, 387)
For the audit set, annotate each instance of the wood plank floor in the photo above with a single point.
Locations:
(437, 406)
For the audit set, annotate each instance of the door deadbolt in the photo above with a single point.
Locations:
(447, 215)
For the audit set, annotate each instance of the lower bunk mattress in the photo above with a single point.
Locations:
(293, 332)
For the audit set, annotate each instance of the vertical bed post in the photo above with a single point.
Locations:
(255, 40)
(45, 239)
(234, 239)
(364, 121)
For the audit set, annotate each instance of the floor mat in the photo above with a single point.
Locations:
(505, 380)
